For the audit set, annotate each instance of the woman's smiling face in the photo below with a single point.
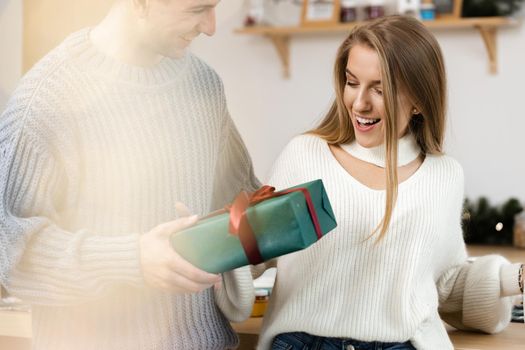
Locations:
(363, 98)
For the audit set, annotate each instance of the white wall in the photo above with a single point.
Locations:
(486, 114)
(10, 47)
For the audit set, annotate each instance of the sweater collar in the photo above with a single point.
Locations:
(408, 150)
(80, 47)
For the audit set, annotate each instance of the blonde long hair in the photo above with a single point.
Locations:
(411, 62)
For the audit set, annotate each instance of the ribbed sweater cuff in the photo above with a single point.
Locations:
(117, 257)
(483, 307)
(86, 258)
(509, 280)
(236, 295)
(59, 267)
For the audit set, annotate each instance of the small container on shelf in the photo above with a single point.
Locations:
(519, 230)
(254, 13)
(348, 11)
(408, 7)
(374, 9)
(261, 301)
(427, 11)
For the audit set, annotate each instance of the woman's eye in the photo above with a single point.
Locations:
(351, 83)
(379, 92)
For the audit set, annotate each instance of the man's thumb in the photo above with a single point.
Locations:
(179, 224)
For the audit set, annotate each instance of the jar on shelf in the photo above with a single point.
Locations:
(375, 9)
(519, 230)
(348, 11)
(282, 13)
(409, 7)
(254, 13)
(427, 11)
(261, 301)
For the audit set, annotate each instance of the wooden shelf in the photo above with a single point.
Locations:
(280, 36)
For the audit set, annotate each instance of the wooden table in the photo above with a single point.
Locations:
(15, 330)
(513, 254)
(511, 338)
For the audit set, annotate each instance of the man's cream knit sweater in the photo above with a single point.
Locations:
(93, 153)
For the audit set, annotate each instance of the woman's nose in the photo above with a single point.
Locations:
(361, 102)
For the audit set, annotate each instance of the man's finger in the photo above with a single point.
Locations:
(182, 209)
(218, 285)
(178, 225)
(183, 267)
(182, 283)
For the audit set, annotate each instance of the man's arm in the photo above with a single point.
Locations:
(43, 263)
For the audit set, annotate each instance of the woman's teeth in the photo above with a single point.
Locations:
(366, 121)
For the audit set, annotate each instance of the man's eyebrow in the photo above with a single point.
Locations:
(375, 82)
(201, 7)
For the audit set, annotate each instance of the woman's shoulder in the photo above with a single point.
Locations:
(302, 150)
(299, 147)
(445, 163)
(305, 143)
(446, 170)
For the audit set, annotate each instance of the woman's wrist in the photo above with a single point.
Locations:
(520, 278)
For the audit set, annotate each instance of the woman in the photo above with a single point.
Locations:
(397, 260)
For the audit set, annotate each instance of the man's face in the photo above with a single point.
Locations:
(169, 26)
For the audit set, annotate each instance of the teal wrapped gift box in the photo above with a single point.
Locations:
(281, 224)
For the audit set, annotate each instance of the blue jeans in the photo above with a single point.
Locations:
(305, 341)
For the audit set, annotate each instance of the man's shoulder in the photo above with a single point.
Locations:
(203, 72)
(200, 64)
(37, 96)
(46, 76)
(49, 65)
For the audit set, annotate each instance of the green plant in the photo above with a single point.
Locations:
(487, 224)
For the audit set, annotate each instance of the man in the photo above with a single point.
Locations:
(100, 143)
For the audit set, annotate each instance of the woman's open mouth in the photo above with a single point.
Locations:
(365, 124)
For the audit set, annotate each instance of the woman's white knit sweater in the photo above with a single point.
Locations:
(347, 286)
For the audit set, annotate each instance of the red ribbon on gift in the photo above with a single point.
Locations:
(240, 226)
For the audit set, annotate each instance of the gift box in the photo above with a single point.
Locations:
(257, 227)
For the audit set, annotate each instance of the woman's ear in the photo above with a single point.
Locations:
(415, 111)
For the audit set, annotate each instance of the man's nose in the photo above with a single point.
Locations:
(207, 24)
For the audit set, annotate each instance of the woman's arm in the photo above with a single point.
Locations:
(477, 295)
